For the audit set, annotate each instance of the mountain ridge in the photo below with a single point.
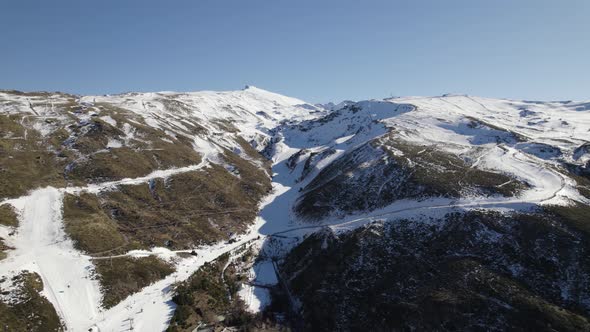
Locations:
(162, 175)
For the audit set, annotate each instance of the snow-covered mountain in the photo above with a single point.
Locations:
(108, 201)
(460, 147)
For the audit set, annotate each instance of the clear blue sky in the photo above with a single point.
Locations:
(318, 50)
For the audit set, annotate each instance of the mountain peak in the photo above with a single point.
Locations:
(252, 88)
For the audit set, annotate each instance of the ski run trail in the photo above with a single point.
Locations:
(41, 245)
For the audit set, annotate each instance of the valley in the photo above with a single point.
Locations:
(266, 172)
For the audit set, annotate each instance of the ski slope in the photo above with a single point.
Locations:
(445, 122)
(42, 246)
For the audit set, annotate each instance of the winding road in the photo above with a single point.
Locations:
(42, 246)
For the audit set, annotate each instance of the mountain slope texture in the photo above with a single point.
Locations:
(255, 211)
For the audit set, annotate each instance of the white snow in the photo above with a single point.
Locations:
(265, 273)
(457, 124)
(256, 298)
(95, 188)
(41, 246)
(109, 120)
(113, 143)
(255, 294)
(343, 139)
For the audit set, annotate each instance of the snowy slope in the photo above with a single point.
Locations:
(561, 125)
(496, 136)
(251, 110)
(529, 142)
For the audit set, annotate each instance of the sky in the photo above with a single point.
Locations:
(316, 50)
